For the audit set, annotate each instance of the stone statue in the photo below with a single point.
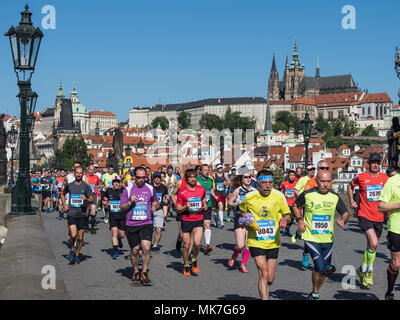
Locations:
(57, 152)
(3, 153)
(118, 144)
(112, 160)
(394, 145)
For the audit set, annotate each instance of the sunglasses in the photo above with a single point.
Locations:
(311, 169)
(246, 177)
(323, 168)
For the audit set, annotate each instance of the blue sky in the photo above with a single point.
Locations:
(127, 53)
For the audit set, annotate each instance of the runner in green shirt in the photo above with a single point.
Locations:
(109, 177)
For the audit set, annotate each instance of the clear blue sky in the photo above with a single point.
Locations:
(127, 53)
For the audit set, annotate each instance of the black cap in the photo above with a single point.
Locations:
(116, 179)
(157, 174)
(374, 156)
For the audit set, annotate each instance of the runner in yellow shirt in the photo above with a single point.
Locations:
(317, 225)
(389, 201)
(272, 213)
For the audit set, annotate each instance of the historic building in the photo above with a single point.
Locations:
(104, 119)
(295, 83)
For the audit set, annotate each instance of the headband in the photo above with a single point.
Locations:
(262, 178)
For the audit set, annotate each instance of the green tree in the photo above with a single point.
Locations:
(184, 119)
(320, 124)
(332, 140)
(337, 128)
(350, 127)
(290, 121)
(234, 120)
(162, 121)
(210, 121)
(279, 177)
(75, 149)
(279, 126)
(369, 132)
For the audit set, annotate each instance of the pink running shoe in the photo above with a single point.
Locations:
(231, 262)
(243, 268)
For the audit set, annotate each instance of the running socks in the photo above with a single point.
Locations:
(236, 253)
(245, 256)
(115, 248)
(92, 221)
(221, 217)
(207, 236)
(391, 278)
(368, 261)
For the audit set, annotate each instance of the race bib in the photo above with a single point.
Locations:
(208, 195)
(109, 183)
(220, 186)
(115, 206)
(76, 201)
(195, 204)
(373, 192)
(268, 230)
(139, 212)
(321, 224)
(92, 186)
(159, 196)
(289, 193)
(241, 197)
(60, 184)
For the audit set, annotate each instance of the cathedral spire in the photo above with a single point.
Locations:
(273, 68)
(60, 94)
(317, 69)
(295, 63)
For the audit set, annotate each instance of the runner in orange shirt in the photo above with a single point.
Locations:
(93, 181)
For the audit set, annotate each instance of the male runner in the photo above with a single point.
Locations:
(191, 203)
(109, 176)
(117, 218)
(59, 186)
(272, 213)
(221, 181)
(319, 207)
(47, 186)
(208, 184)
(299, 174)
(389, 201)
(139, 201)
(80, 195)
(162, 210)
(370, 219)
(287, 188)
(93, 181)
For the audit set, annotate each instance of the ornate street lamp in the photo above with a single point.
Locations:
(12, 143)
(128, 150)
(306, 128)
(397, 66)
(25, 43)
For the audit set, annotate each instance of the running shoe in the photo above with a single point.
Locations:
(389, 296)
(195, 266)
(105, 220)
(144, 278)
(208, 249)
(330, 269)
(231, 262)
(305, 260)
(186, 271)
(362, 277)
(71, 256)
(243, 268)
(136, 280)
(369, 277)
(115, 255)
(313, 296)
(120, 245)
(77, 260)
(155, 249)
(93, 231)
(228, 217)
(178, 244)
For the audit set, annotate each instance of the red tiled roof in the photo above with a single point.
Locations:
(376, 97)
(309, 101)
(102, 113)
(337, 99)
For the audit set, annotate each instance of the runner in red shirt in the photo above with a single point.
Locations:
(93, 181)
(191, 203)
(287, 188)
(370, 220)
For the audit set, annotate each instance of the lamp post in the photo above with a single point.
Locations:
(25, 43)
(221, 149)
(128, 150)
(397, 66)
(307, 125)
(12, 143)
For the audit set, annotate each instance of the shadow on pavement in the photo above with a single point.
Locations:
(127, 272)
(294, 264)
(224, 262)
(358, 230)
(82, 257)
(177, 266)
(378, 255)
(288, 295)
(350, 295)
(226, 246)
(235, 297)
(173, 253)
(110, 251)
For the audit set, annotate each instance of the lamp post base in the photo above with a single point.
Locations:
(21, 199)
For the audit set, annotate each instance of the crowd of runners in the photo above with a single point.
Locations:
(136, 203)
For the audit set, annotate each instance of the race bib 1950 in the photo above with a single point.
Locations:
(321, 224)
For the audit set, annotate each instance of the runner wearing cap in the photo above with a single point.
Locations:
(287, 188)
(229, 191)
(370, 219)
(270, 210)
(162, 210)
(220, 180)
(117, 219)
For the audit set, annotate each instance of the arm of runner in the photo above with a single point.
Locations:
(299, 203)
(341, 208)
(232, 197)
(126, 203)
(65, 205)
(350, 190)
(387, 207)
(175, 191)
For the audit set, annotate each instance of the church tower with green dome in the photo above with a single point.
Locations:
(79, 111)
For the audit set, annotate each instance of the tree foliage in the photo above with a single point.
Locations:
(184, 119)
(284, 120)
(210, 121)
(75, 149)
(332, 140)
(320, 124)
(369, 131)
(162, 121)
